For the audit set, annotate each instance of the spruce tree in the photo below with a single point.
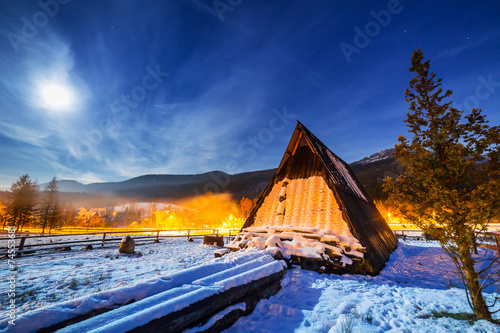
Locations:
(50, 210)
(450, 187)
(23, 198)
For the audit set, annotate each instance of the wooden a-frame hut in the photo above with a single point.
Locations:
(314, 188)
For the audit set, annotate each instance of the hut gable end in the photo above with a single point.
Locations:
(314, 188)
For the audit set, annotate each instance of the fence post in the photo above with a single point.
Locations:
(158, 235)
(21, 243)
(21, 246)
(103, 239)
(189, 232)
(497, 239)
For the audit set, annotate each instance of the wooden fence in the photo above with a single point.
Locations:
(486, 239)
(25, 245)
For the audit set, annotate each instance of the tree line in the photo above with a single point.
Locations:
(27, 206)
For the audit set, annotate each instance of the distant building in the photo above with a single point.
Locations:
(86, 213)
(96, 220)
(91, 217)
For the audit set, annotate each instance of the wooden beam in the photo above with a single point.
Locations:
(297, 143)
(250, 301)
(202, 310)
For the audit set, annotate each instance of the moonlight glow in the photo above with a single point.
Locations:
(56, 97)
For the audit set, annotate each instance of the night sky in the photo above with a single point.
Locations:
(109, 90)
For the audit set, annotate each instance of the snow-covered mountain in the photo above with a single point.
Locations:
(381, 155)
(372, 170)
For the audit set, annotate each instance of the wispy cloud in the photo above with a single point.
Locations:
(224, 80)
(469, 42)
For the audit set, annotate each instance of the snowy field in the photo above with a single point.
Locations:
(60, 276)
(413, 286)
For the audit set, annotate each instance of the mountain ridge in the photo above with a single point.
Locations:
(68, 185)
(370, 170)
(379, 156)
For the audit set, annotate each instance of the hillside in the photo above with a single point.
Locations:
(370, 171)
(149, 187)
(139, 182)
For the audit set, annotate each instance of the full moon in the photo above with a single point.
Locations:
(56, 96)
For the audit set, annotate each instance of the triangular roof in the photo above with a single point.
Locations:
(362, 216)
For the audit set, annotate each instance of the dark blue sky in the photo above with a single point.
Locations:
(183, 87)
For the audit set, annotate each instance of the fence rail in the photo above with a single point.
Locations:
(24, 244)
(486, 239)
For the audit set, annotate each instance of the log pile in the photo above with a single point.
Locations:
(310, 248)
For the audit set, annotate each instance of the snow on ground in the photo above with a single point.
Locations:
(318, 303)
(402, 298)
(59, 276)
